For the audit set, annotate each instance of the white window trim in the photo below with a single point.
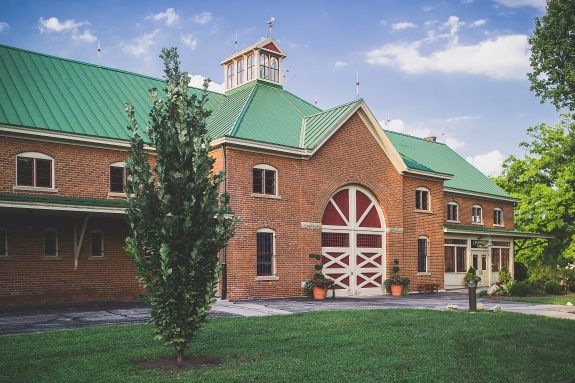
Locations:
(276, 190)
(57, 256)
(502, 221)
(480, 215)
(428, 210)
(103, 254)
(467, 253)
(274, 276)
(457, 215)
(426, 272)
(5, 231)
(41, 156)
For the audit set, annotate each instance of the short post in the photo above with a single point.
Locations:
(471, 288)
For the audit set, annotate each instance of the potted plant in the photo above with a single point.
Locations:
(319, 284)
(471, 277)
(397, 284)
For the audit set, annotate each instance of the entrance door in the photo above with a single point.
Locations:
(479, 260)
(353, 250)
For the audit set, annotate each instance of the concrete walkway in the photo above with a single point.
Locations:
(85, 315)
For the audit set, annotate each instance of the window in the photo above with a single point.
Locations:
(240, 72)
(495, 259)
(250, 67)
(500, 255)
(455, 255)
(265, 252)
(118, 177)
(50, 243)
(422, 255)
(453, 212)
(230, 76)
(97, 243)
(476, 215)
(34, 170)
(422, 199)
(264, 66)
(264, 180)
(498, 217)
(274, 69)
(3, 242)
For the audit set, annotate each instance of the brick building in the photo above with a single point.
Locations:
(301, 180)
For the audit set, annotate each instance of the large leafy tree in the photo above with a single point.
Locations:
(177, 215)
(544, 182)
(553, 55)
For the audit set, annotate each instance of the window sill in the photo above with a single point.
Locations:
(52, 258)
(420, 274)
(423, 211)
(271, 196)
(96, 258)
(116, 195)
(268, 278)
(478, 223)
(35, 189)
(494, 225)
(450, 221)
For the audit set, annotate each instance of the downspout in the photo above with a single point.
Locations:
(224, 259)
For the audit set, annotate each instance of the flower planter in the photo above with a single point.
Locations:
(319, 293)
(396, 290)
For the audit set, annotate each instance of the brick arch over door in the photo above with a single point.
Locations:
(353, 242)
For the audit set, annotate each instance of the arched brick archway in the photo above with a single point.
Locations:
(353, 242)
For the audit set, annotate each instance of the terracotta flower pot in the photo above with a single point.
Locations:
(319, 293)
(396, 290)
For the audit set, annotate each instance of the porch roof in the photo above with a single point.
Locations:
(50, 202)
(500, 232)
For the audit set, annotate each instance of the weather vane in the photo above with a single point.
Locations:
(271, 24)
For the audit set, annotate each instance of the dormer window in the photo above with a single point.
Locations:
(230, 76)
(250, 67)
(240, 72)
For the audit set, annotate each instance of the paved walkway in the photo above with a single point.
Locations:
(86, 315)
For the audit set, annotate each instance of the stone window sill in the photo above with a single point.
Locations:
(494, 225)
(35, 189)
(116, 195)
(268, 278)
(478, 223)
(449, 221)
(420, 274)
(423, 211)
(270, 196)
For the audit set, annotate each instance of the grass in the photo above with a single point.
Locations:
(345, 346)
(547, 299)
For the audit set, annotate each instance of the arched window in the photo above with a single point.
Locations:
(265, 244)
(118, 177)
(422, 199)
(230, 76)
(34, 170)
(452, 212)
(274, 69)
(477, 215)
(422, 250)
(240, 72)
(264, 66)
(264, 180)
(497, 217)
(250, 67)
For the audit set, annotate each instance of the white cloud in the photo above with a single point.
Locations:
(85, 36)
(339, 64)
(54, 25)
(190, 40)
(203, 18)
(141, 44)
(197, 81)
(489, 163)
(4, 26)
(504, 57)
(168, 17)
(402, 25)
(478, 23)
(539, 4)
(398, 125)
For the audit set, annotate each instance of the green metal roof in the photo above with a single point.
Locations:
(52, 93)
(319, 125)
(421, 154)
(58, 200)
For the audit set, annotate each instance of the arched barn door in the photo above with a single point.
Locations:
(353, 242)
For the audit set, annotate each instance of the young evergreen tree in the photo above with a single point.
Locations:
(176, 213)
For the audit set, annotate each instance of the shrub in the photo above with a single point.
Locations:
(483, 294)
(520, 289)
(552, 287)
(520, 271)
(505, 276)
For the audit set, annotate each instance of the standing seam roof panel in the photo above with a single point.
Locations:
(22, 113)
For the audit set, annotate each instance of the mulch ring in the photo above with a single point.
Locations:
(170, 364)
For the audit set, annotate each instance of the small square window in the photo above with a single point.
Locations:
(498, 217)
(452, 212)
(264, 181)
(476, 214)
(422, 199)
(50, 243)
(97, 244)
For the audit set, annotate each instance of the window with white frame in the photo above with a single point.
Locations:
(265, 244)
(264, 180)
(240, 72)
(422, 249)
(497, 217)
(51, 243)
(97, 240)
(118, 177)
(453, 212)
(476, 214)
(250, 61)
(34, 170)
(500, 251)
(3, 242)
(230, 76)
(264, 66)
(422, 199)
(274, 69)
(455, 255)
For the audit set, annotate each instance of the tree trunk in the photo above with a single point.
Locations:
(179, 356)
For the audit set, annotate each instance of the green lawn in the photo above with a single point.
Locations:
(547, 299)
(344, 346)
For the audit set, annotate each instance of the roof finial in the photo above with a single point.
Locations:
(236, 42)
(357, 85)
(99, 53)
(271, 25)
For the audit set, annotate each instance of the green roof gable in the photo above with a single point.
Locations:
(317, 126)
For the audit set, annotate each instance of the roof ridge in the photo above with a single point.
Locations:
(301, 99)
(411, 136)
(333, 108)
(243, 111)
(96, 66)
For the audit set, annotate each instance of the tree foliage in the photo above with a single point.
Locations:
(175, 211)
(553, 55)
(544, 182)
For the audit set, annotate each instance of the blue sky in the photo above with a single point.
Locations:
(453, 69)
